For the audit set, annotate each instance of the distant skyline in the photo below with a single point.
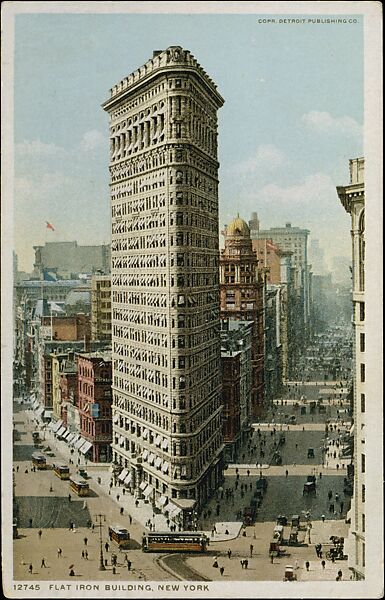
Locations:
(292, 118)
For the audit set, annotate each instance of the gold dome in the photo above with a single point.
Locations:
(238, 227)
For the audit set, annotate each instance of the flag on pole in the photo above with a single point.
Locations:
(50, 226)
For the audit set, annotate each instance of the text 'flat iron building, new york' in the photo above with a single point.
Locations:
(165, 280)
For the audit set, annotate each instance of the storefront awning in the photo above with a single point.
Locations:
(173, 510)
(48, 414)
(143, 485)
(148, 491)
(57, 425)
(84, 449)
(74, 439)
(67, 435)
(70, 437)
(163, 500)
(122, 475)
(40, 411)
(61, 431)
(127, 479)
(79, 442)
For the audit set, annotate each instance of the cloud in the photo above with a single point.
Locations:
(312, 189)
(266, 157)
(92, 140)
(324, 122)
(38, 149)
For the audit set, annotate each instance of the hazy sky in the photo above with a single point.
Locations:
(292, 117)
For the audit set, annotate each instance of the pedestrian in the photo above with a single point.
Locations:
(114, 570)
(331, 508)
(242, 563)
(43, 563)
(17, 469)
(341, 507)
(82, 553)
(117, 497)
(72, 573)
(323, 518)
(30, 569)
(330, 494)
(339, 574)
(229, 553)
(86, 554)
(323, 563)
(121, 510)
(222, 570)
(69, 497)
(286, 473)
(85, 541)
(129, 565)
(251, 550)
(130, 519)
(296, 564)
(40, 533)
(106, 546)
(307, 565)
(124, 491)
(246, 563)
(136, 503)
(30, 522)
(248, 472)
(59, 552)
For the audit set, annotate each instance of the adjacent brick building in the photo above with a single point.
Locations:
(94, 402)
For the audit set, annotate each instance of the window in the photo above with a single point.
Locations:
(363, 463)
(362, 373)
(363, 555)
(362, 342)
(362, 403)
(362, 311)
(363, 493)
(363, 523)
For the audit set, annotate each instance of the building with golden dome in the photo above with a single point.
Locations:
(241, 294)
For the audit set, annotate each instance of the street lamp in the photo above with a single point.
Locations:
(100, 519)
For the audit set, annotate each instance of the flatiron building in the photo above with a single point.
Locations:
(165, 280)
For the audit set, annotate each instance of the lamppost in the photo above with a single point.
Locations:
(100, 519)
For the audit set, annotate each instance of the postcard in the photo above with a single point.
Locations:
(191, 293)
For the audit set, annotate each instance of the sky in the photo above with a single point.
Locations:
(292, 118)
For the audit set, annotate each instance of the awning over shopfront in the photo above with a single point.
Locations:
(173, 510)
(35, 404)
(67, 435)
(70, 438)
(61, 431)
(143, 485)
(86, 446)
(148, 491)
(40, 411)
(48, 414)
(75, 439)
(162, 501)
(127, 479)
(122, 475)
(79, 442)
(57, 425)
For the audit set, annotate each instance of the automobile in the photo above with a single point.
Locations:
(289, 574)
(310, 453)
(293, 419)
(281, 520)
(309, 488)
(295, 521)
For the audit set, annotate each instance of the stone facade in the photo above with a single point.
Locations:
(241, 292)
(165, 305)
(352, 198)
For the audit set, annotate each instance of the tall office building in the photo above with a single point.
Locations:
(294, 240)
(352, 197)
(165, 287)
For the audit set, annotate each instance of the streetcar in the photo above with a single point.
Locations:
(62, 471)
(39, 461)
(174, 542)
(119, 535)
(79, 486)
